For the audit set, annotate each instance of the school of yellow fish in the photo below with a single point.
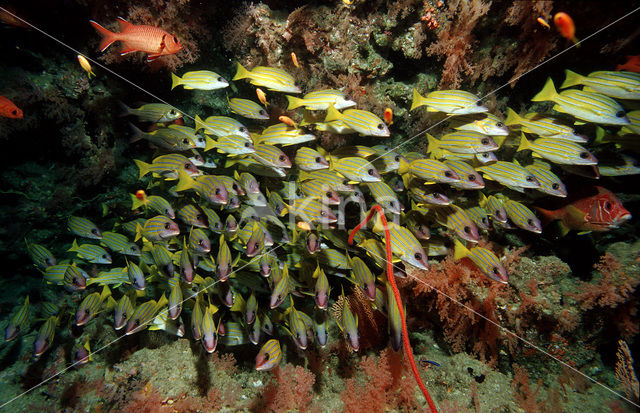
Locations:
(241, 232)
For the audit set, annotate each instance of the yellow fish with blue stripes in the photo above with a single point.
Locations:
(452, 102)
(558, 151)
(248, 109)
(616, 84)
(321, 99)
(485, 260)
(361, 121)
(199, 79)
(272, 78)
(587, 106)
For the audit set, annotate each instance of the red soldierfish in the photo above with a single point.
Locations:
(595, 209)
(139, 38)
(8, 109)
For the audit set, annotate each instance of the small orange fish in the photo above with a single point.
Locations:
(388, 116)
(294, 59)
(632, 64)
(565, 26)
(262, 97)
(84, 63)
(8, 109)
(287, 121)
(139, 38)
(141, 195)
(543, 22)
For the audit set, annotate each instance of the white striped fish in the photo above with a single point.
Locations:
(272, 78)
(616, 84)
(587, 106)
(453, 102)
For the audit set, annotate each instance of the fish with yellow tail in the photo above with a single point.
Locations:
(321, 99)
(348, 322)
(199, 79)
(86, 66)
(619, 85)
(361, 121)
(18, 322)
(586, 106)
(272, 78)
(485, 260)
(452, 102)
(558, 151)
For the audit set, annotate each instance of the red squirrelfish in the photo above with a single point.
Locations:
(139, 38)
(594, 209)
(8, 109)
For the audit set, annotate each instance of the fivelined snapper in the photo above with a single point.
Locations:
(587, 106)
(404, 244)
(462, 142)
(456, 219)
(156, 203)
(164, 138)
(634, 125)
(199, 79)
(616, 84)
(90, 252)
(482, 157)
(469, 177)
(521, 216)
(153, 112)
(310, 210)
(318, 189)
(509, 174)
(549, 182)
(248, 109)
(355, 169)
(321, 99)
(222, 126)
(91, 305)
(385, 196)
(144, 314)
(485, 260)
(45, 336)
(167, 166)
(493, 207)
(627, 168)
(157, 228)
(331, 178)
(40, 255)
(191, 215)
(308, 160)
(386, 159)
(544, 126)
(119, 243)
(83, 227)
(432, 171)
(348, 323)
(272, 78)
(230, 145)
(361, 121)
(395, 320)
(269, 356)
(558, 151)
(282, 134)
(452, 102)
(18, 322)
(485, 123)
(420, 195)
(271, 156)
(208, 187)
(479, 217)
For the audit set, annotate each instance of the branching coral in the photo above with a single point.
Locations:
(455, 41)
